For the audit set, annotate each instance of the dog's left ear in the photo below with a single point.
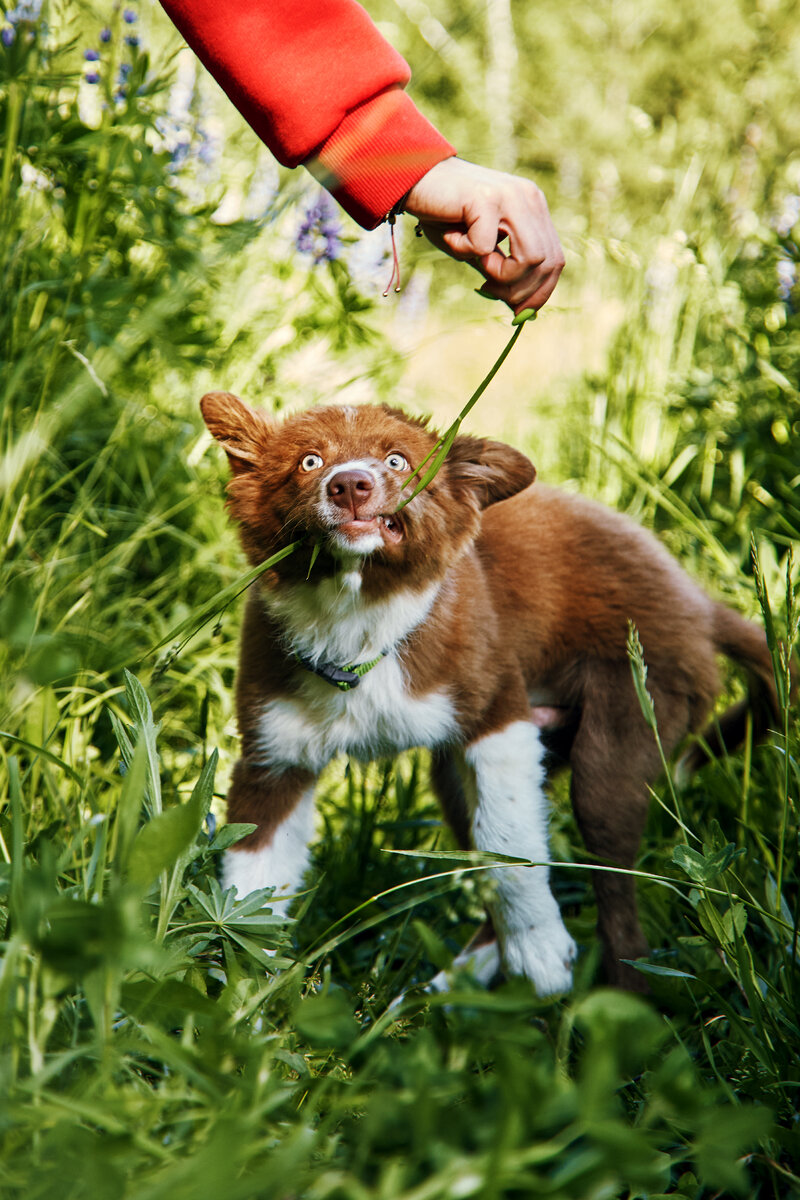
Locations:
(492, 470)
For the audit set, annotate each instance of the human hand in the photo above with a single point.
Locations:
(467, 211)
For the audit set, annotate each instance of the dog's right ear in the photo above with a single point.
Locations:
(242, 432)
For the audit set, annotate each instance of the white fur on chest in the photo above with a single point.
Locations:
(331, 621)
(374, 720)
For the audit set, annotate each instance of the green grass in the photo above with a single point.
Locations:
(149, 1046)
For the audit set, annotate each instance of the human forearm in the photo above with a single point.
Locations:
(321, 86)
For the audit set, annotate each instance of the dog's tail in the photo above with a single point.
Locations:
(746, 644)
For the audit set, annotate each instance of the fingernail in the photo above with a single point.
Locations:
(527, 314)
(487, 295)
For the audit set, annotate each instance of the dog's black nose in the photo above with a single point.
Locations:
(349, 489)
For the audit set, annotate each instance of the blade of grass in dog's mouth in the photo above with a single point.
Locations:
(442, 448)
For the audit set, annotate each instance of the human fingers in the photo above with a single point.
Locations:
(468, 211)
(532, 238)
(479, 234)
(531, 291)
(522, 283)
(466, 243)
(525, 275)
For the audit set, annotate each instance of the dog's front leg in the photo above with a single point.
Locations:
(279, 800)
(509, 816)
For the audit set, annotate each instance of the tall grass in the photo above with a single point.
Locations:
(149, 1044)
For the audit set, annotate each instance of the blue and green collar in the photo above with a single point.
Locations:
(344, 678)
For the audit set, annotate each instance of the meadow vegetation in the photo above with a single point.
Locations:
(149, 250)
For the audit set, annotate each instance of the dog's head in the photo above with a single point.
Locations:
(334, 476)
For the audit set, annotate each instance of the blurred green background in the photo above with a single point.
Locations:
(151, 250)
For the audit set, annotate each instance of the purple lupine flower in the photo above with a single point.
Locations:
(105, 34)
(132, 41)
(92, 77)
(787, 277)
(91, 55)
(124, 71)
(129, 16)
(319, 232)
(26, 11)
(7, 35)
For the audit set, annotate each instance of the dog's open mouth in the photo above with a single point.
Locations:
(388, 525)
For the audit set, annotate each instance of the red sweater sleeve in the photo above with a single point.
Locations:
(320, 86)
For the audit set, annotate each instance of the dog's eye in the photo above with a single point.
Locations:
(311, 462)
(396, 461)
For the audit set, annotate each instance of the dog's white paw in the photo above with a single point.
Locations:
(480, 962)
(542, 953)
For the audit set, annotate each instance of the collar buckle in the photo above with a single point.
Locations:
(344, 678)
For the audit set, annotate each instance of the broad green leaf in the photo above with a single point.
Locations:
(734, 919)
(230, 834)
(129, 806)
(203, 790)
(161, 842)
(295, 1061)
(729, 1133)
(703, 868)
(434, 947)
(167, 1000)
(263, 922)
(712, 921)
(259, 953)
(213, 903)
(147, 732)
(163, 839)
(326, 1020)
(123, 737)
(252, 903)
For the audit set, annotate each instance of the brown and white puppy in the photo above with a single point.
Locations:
(497, 613)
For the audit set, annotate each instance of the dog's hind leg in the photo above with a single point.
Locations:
(281, 804)
(614, 759)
